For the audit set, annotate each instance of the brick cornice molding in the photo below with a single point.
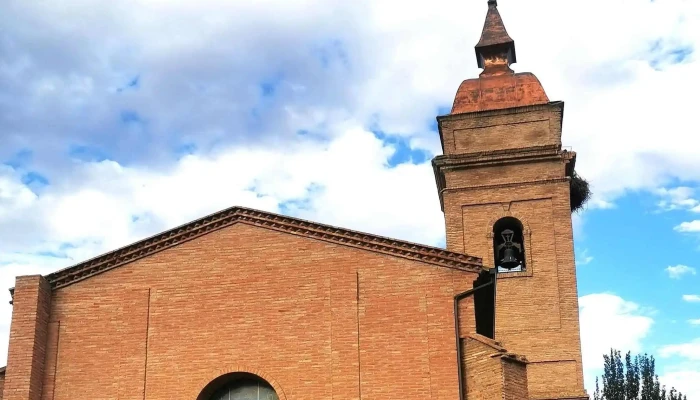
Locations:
(453, 162)
(503, 111)
(295, 226)
(442, 191)
(442, 164)
(506, 156)
(445, 121)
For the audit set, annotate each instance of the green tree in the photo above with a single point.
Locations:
(632, 379)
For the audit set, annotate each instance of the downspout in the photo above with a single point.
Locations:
(457, 298)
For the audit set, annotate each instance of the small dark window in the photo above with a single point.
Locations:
(508, 245)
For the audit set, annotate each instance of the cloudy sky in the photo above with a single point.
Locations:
(121, 119)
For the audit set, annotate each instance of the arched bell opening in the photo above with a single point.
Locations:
(508, 245)
(238, 386)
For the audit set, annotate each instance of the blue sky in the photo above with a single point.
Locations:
(142, 115)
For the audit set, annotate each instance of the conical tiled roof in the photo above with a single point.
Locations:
(494, 32)
(494, 37)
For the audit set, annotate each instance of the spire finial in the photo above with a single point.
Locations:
(495, 46)
(497, 87)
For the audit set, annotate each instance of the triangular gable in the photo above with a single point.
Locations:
(295, 226)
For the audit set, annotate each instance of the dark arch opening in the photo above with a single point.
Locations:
(508, 245)
(238, 386)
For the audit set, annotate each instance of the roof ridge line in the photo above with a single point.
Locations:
(293, 225)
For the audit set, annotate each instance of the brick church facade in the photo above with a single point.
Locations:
(245, 304)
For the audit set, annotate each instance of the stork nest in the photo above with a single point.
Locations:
(580, 192)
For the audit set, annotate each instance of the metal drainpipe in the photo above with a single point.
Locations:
(457, 298)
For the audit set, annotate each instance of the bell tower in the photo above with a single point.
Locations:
(505, 187)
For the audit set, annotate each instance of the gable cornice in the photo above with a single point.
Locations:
(295, 226)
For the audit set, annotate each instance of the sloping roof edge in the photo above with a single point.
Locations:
(233, 215)
(501, 351)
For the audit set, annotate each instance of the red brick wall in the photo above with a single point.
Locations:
(537, 310)
(2, 383)
(503, 174)
(491, 374)
(28, 338)
(483, 372)
(544, 328)
(515, 385)
(502, 129)
(252, 299)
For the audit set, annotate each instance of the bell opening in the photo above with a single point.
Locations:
(508, 245)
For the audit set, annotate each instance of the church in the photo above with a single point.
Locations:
(249, 305)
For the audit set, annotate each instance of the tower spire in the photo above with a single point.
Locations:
(498, 86)
(495, 48)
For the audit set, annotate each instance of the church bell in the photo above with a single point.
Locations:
(509, 261)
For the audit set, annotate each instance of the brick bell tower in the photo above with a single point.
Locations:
(505, 184)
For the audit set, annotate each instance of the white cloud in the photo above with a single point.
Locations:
(199, 76)
(342, 67)
(584, 258)
(599, 203)
(677, 271)
(694, 321)
(691, 298)
(691, 226)
(690, 350)
(681, 197)
(608, 321)
(72, 222)
(108, 194)
(684, 375)
(686, 380)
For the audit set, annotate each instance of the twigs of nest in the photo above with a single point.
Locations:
(580, 192)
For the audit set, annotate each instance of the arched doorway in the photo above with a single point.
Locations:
(238, 386)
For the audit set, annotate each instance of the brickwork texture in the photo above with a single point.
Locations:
(324, 313)
(317, 320)
(537, 309)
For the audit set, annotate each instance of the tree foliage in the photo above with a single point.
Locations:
(633, 378)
